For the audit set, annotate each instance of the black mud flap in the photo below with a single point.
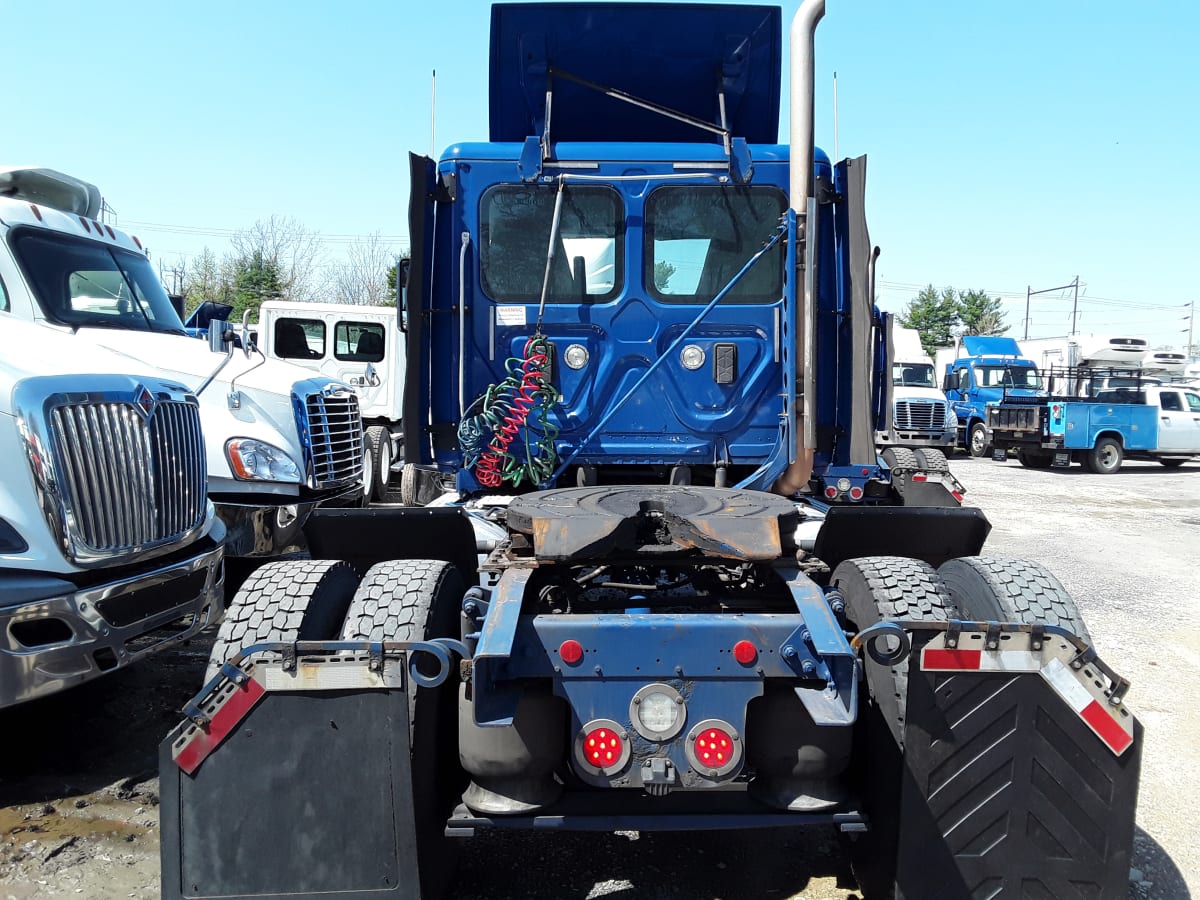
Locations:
(308, 795)
(1006, 792)
(932, 534)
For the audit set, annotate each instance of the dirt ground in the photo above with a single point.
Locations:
(78, 787)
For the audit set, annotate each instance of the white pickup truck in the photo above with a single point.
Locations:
(109, 548)
(278, 439)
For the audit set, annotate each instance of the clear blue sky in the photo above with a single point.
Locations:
(1010, 144)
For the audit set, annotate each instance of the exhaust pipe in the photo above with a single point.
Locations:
(802, 195)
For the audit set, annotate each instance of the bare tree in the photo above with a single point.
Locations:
(204, 279)
(290, 248)
(362, 279)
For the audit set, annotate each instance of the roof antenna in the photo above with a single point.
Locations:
(433, 115)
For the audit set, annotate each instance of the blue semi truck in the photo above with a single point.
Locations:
(980, 370)
(660, 580)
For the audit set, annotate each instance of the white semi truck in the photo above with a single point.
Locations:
(359, 345)
(921, 419)
(109, 548)
(278, 439)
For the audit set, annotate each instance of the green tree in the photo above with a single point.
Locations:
(204, 279)
(934, 314)
(980, 314)
(663, 271)
(255, 278)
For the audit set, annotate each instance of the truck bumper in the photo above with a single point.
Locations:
(914, 439)
(70, 635)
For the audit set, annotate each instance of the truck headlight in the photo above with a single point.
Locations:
(253, 460)
(951, 418)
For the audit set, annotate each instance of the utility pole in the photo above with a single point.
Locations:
(1029, 292)
(1191, 317)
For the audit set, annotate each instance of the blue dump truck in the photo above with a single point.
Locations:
(661, 580)
(1141, 421)
(981, 370)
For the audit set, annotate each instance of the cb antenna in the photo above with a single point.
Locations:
(433, 115)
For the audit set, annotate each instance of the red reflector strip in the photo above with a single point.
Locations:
(205, 740)
(1106, 727)
(950, 660)
(957, 496)
(920, 478)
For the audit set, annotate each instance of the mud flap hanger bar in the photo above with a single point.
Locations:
(239, 668)
(899, 630)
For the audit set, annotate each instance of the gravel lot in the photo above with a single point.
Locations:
(78, 793)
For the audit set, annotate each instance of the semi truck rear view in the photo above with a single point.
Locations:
(670, 587)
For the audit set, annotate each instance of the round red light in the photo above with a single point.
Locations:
(831, 492)
(856, 493)
(713, 748)
(745, 652)
(571, 652)
(602, 747)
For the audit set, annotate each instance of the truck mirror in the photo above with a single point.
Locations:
(220, 337)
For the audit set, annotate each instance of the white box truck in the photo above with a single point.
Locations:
(359, 345)
(109, 547)
(278, 439)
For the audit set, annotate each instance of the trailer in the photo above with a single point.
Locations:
(671, 587)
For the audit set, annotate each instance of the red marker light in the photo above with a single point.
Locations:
(602, 747)
(571, 652)
(714, 748)
(856, 493)
(745, 652)
(831, 492)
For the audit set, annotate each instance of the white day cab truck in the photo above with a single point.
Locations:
(923, 424)
(278, 439)
(109, 547)
(362, 346)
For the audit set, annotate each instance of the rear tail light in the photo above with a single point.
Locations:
(602, 747)
(714, 748)
(831, 492)
(856, 493)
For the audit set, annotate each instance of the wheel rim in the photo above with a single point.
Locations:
(368, 480)
(1108, 456)
(385, 464)
(977, 440)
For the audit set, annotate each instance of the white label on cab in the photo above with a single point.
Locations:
(510, 315)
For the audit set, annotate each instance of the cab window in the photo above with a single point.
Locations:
(299, 338)
(4, 304)
(699, 236)
(515, 226)
(1193, 402)
(1169, 401)
(358, 341)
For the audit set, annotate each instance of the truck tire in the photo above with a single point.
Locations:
(1033, 459)
(1004, 590)
(883, 587)
(412, 600)
(900, 457)
(379, 449)
(289, 600)
(931, 459)
(408, 485)
(977, 440)
(876, 588)
(1106, 457)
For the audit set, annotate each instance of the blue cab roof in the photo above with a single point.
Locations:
(677, 55)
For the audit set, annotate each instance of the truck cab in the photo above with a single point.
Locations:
(278, 439)
(109, 548)
(921, 416)
(985, 370)
(362, 346)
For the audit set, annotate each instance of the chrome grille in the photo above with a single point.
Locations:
(335, 438)
(919, 415)
(128, 482)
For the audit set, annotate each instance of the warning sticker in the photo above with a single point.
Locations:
(510, 315)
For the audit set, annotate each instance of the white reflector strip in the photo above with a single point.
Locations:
(1091, 710)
